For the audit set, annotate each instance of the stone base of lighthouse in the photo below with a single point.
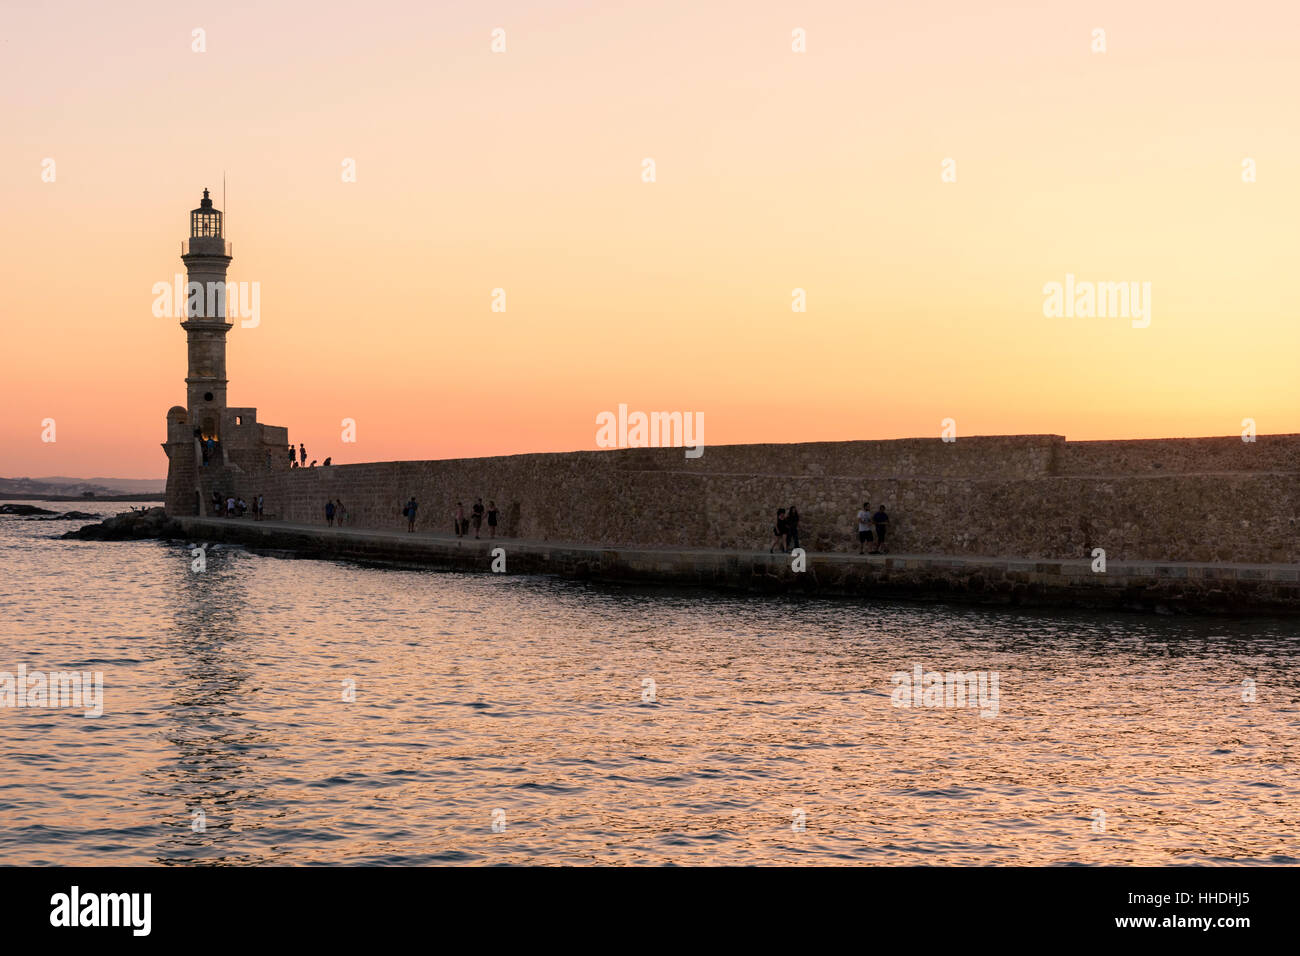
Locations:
(247, 454)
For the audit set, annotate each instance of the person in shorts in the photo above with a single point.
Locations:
(864, 527)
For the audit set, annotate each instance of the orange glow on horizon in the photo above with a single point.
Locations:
(775, 171)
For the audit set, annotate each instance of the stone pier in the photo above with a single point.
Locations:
(1236, 588)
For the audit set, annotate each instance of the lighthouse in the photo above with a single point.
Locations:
(212, 447)
(206, 254)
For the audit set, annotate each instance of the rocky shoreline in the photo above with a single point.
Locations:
(130, 526)
(44, 514)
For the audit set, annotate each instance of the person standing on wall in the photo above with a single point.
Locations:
(778, 531)
(864, 527)
(881, 521)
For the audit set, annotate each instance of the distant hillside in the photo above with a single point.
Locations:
(79, 486)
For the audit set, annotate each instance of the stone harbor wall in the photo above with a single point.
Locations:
(1134, 586)
(1026, 496)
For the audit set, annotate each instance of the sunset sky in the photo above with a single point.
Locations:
(775, 170)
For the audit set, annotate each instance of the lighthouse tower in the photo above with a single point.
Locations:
(210, 446)
(206, 255)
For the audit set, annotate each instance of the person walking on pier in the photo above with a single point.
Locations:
(881, 521)
(492, 518)
(341, 511)
(409, 511)
(778, 532)
(459, 519)
(258, 504)
(792, 528)
(476, 515)
(329, 513)
(864, 527)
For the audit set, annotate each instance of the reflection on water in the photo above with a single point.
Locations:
(1117, 739)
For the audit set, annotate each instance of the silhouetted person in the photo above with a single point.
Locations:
(329, 513)
(476, 515)
(409, 511)
(492, 518)
(302, 453)
(778, 531)
(792, 528)
(881, 521)
(327, 461)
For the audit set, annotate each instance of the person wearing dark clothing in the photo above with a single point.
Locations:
(302, 453)
(291, 454)
(792, 528)
(329, 513)
(409, 511)
(476, 515)
(778, 531)
(492, 518)
(881, 521)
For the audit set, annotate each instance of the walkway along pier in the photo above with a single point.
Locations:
(1130, 585)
